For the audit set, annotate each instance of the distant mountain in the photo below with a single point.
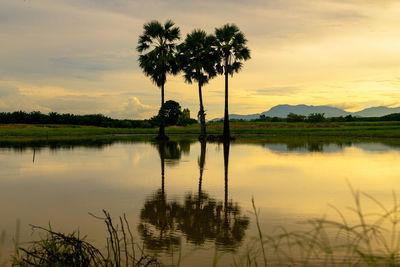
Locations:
(376, 112)
(244, 117)
(283, 110)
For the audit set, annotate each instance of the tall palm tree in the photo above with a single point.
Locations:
(198, 59)
(231, 45)
(157, 47)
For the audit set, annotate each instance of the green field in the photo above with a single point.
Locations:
(238, 129)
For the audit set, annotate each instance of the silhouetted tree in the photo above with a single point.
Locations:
(160, 42)
(184, 119)
(292, 117)
(231, 45)
(171, 110)
(198, 59)
(36, 117)
(316, 117)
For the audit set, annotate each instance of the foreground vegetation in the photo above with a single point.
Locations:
(15, 132)
(58, 249)
(372, 239)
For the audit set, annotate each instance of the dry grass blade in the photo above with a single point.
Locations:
(58, 249)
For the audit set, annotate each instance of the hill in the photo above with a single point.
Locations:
(282, 111)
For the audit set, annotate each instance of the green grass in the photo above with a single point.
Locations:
(242, 130)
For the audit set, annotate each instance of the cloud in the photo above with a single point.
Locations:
(133, 108)
(36, 99)
(274, 91)
(8, 90)
(79, 55)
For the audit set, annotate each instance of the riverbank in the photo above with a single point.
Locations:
(240, 130)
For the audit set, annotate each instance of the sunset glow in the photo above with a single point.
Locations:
(79, 56)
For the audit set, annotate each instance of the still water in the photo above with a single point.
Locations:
(189, 196)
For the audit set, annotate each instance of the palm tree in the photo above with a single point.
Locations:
(231, 45)
(198, 59)
(159, 41)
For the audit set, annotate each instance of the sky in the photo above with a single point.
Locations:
(78, 56)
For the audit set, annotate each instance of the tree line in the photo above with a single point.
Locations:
(320, 117)
(173, 116)
(200, 57)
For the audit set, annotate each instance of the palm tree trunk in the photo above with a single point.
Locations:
(161, 131)
(226, 163)
(202, 116)
(226, 134)
(202, 161)
(162, 175)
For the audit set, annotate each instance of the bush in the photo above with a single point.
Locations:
(316, 117)
(184, 119)
(291, 117)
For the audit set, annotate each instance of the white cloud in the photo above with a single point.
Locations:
(133, 109)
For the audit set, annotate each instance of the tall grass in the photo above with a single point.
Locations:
(3, 258)
(373, 240)
(58, 249)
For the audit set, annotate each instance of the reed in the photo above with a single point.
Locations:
(373, 240)
(58, 249)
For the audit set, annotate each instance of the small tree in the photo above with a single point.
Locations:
(171, 111)
(184, 119)
(291, 117)
(316, 117)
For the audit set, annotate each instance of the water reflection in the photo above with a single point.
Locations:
(158, 217)
(94, 143)
(201, 218)
(177, 148)
(64, 186)
(158, 221)
(326, 146)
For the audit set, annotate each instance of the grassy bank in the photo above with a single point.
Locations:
(238, 129)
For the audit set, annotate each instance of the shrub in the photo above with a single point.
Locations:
(291, 117)
(316, 117)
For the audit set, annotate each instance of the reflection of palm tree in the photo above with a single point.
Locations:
(202, 218)
(198, 211)
(232, 229)
(158, 214)
(157, 222)
(202, 161)
(170, 153)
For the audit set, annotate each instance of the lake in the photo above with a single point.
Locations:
(189, 201)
